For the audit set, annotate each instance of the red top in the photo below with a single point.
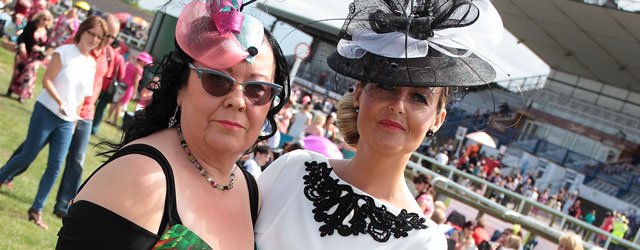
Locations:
(103, 70)
(490, 164)
(21, 9)
(88, 107)
(479, 235)
(116, 61)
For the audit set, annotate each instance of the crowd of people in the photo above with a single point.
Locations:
(472, 161)
(81, 59)
(217, 98)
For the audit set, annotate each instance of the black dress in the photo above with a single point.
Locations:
(91, 226)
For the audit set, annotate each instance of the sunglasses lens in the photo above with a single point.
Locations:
(219, 84)
(258, 93)
(216, 85)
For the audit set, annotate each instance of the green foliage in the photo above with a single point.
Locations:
(16, 232)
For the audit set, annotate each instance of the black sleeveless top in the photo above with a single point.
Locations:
(91, 226)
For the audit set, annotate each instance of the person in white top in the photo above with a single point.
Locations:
(260, 158)
(67, 81)
(311, 202)
(300, 121)
(442, 157)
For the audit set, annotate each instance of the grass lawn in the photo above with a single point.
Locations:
(16, 232)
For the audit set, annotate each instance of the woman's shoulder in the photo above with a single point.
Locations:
(132, 186)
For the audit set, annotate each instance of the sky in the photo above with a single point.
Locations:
(511, 60)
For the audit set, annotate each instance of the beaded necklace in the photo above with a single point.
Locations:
(214, 184)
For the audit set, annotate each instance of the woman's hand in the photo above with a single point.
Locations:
(62, 107)
(22, 51)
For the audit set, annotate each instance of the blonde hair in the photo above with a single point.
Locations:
(44, 14)
(438, 216)
(513, 241)
(318, 119)
(570, 241)
(348, 117)
(348, 120)
(439, 205)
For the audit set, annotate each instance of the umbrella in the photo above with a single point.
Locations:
(322, 145)
(122, 16)
(483, 138)
(139, 21)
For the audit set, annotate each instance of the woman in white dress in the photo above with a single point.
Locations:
(311, 202)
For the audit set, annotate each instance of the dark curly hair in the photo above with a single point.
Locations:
(174, 73)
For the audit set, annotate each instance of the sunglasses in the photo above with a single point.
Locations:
(217, 83)
(95, 35)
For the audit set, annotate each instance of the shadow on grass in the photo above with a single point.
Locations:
(19, 198)
(26, 108)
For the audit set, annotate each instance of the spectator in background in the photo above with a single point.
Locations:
(22, 7)
(607, 226)
(570, 241)
(490, 164)
(426, 193)
(260, 158)
(64, 27)
(479, 233)
(13, 29)
(576, 210)
(317, 125)
(116, 72)
(283, 118)
(465, 239)
(37, 6)
(132, 76)
(300, 121)
(443, 157)
(72, 174)
(330, 128)
(67, 82)
(512, 242)
(590, 217)
(29, 56)
(449, 147)
(619, 229)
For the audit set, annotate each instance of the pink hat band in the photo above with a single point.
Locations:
(145, 57)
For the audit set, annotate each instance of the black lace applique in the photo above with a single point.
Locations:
(335, 202)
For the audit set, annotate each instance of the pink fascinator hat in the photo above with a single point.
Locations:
(216, 34)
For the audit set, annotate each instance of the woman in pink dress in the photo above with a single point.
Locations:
(426, 193)
(30, 53)
(131, 78)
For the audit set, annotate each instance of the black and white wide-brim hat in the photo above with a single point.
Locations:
(419, 43)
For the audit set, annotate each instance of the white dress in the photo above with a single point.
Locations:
(305, 205)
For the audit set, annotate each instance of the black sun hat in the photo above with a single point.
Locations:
(421, 43)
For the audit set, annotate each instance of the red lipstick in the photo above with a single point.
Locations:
(391, 125)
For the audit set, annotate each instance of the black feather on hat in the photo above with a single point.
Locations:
(420, 43)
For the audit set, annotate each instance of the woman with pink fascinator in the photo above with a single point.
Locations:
(173, 182)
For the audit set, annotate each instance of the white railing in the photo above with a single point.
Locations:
(516, 215)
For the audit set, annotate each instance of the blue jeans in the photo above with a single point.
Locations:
(72, 174)
(44, 127)
(101, 104)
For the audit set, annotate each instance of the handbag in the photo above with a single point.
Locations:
(116, 90)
